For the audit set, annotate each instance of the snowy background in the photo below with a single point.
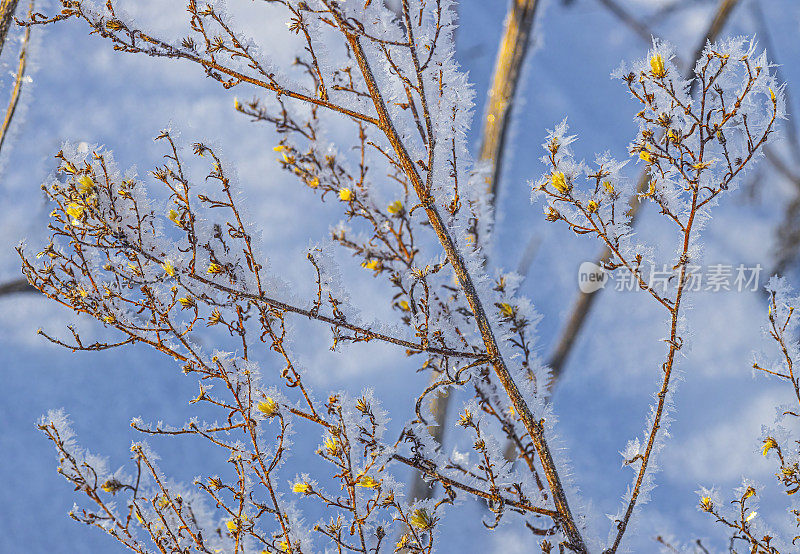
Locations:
(83, 91)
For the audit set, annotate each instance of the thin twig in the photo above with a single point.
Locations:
(583, 303)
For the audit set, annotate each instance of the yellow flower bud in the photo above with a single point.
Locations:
(592, 206)
(421, 519)
(367, 482)
(214, 268)
(345, 195)
(300, 487)
(657, 66)
(268, 407)
(374, 265)
(168, 268)
(395, 208)
(74, 210)
(560, 183)
(769, 444)
(85, 184)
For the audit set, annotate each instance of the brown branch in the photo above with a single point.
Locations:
(534, 428)
(508, 65)
(7, 9)
(18, 285)
(19, 78)
(583, 303)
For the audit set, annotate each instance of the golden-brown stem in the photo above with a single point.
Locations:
(19, 77)
(507, 67)
(534, 428)
(584, 302)
(7, 9)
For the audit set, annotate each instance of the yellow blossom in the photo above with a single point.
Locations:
(465, 419)
(187, 301)
(609, 187)
(769, 444)
(69, 168)
(560, 183)
(168, 268)
(313, 182)
(771, 94)
(706, 504)
(657, 66)
(751, 516)
(301, 487)
(748, 493)
(279, 148)
(374, 265)
(214, 268)
(551, 214)
(645, 155)
(404, 305)
(345, 195)
(367, 482)
(85, 184)
(421, 519)
(284, 546)
(592, 206)
(268, 407)
(74, 210)
(395, 208)
(331, 444)
(173, 216)
(111, 486)
(214, 318)
(506, 310)
(232, 526)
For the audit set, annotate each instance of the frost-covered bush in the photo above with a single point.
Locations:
(389, 91)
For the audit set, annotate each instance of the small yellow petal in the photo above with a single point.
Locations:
(395, 208)
(345, 195)
(168, 268)
(560, 183)
(657, 66)
(367, 482)
(85, 184)
(301, 488)
(268, 407)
